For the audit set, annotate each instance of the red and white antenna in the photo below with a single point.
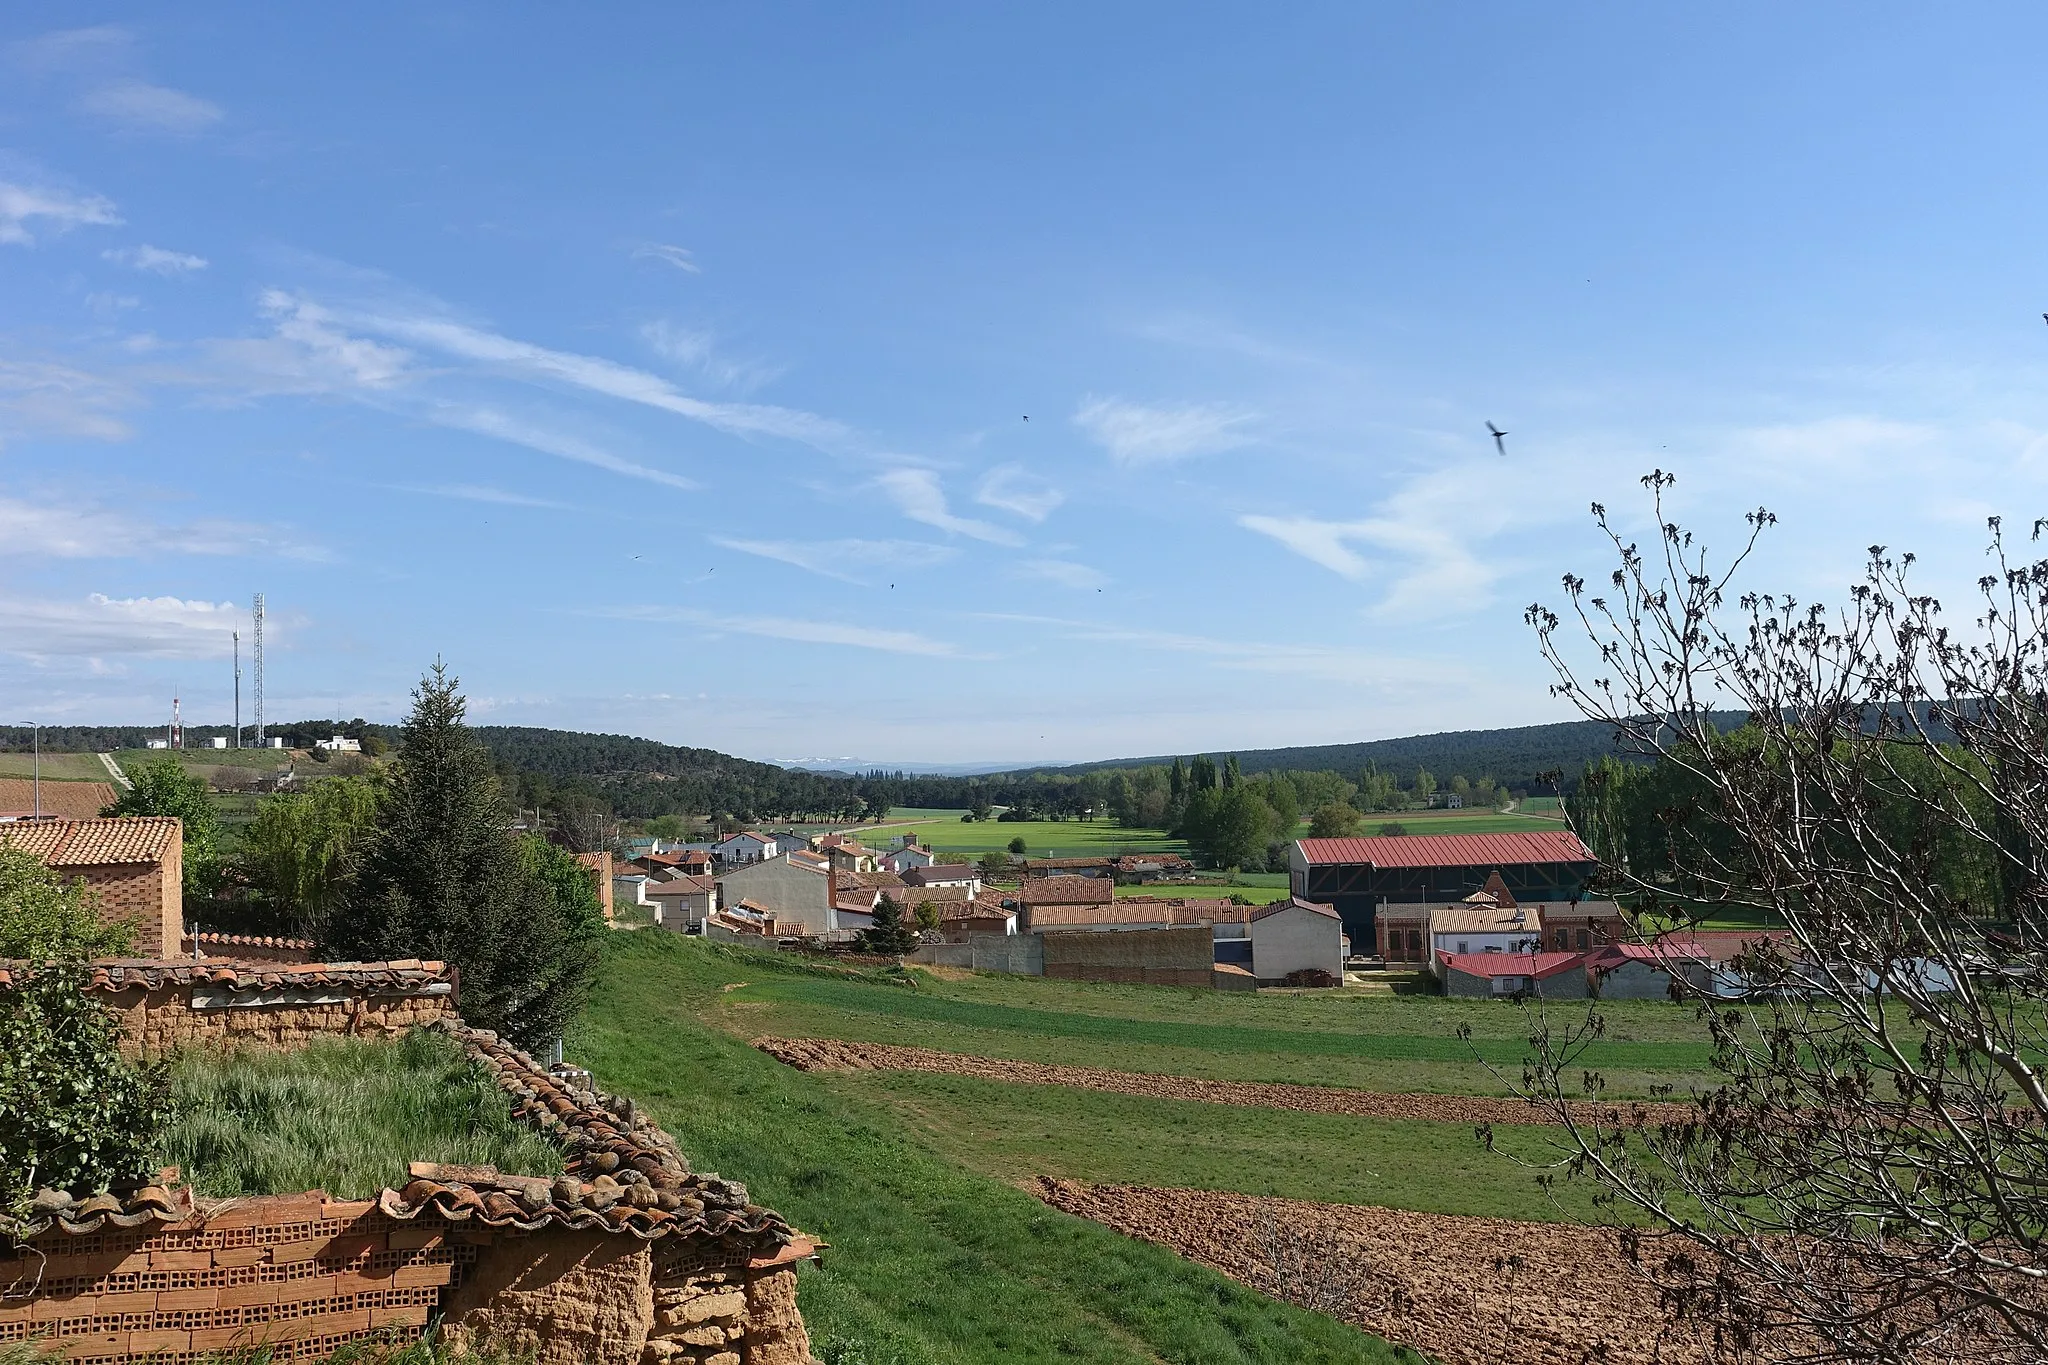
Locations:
(177, 727)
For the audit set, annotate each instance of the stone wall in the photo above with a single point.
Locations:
(305, 1275)
(1021, 954)
(155, 1023)
(1180, 956)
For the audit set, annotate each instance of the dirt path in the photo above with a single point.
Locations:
(823, 1054)
(1466, 1291)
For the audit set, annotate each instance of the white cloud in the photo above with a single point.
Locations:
(695, 350)
(156, 259)
(917, 495)
(804, 632)
(1324, 663)
(682, 258)
(49, 210)
(1136, 434)
(1011, 489)
(1433, 571)
(140, 106)
(155, 627)
(40, 398)
(595, 375)
(488, 422)
(81, 531)
(845, 560)
(312, 354)
(474, 492)
(1064, 572)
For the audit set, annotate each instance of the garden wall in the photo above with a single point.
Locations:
(305, 1275)
(1181, 956)
(174, 1004)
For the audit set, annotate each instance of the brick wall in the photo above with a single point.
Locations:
(152, 895)
(155, 1023)
(1182, 956)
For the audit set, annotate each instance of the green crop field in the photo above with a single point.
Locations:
(947, 833)
(1021, 1131)
(56, 767)
(932, 1262)
(1336, 1038)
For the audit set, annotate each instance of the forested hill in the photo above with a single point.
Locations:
(1513, 758)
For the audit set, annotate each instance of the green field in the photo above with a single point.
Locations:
(1021, 1131)
(931, 1261)
(1338, 1038)
(56, 767)
(947, 833)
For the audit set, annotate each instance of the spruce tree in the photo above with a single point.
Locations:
(441, 876)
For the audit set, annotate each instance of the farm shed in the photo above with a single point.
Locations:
(1554, 976)
(1357, 876)
(135, 865)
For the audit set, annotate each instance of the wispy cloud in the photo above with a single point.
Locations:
(1064, 572)
(490, 422)
(1325, 663)
(476, 492)
(310, 352)
(1134, 433)
(696, 350)
(917, 495)
(156, 260)
(73, 49)
(1011, 489)
(98, 625)
(48, 210)
(1431, 571)
(38, 530)
(142, 107)
(803, 632)
(845, 560)
(39, 398)
(682, 258)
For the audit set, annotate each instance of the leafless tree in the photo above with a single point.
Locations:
(1307, 1271)
(1869, 1178)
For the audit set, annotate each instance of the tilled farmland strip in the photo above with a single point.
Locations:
(825, 1054)
(1465, 1291)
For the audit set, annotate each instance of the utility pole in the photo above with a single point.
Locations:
(259, 670)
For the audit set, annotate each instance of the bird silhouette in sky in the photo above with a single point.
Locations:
(1027, 416)
(1498, 444)
(2044, 317)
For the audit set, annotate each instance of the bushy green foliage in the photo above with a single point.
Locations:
(76, 1115)
(888, 933)
(341, 1114)
(294, 854)
(439, 875)
(1333, 821)
(161, 786)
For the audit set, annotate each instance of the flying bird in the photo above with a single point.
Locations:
(1028, 417)
(1497, 435)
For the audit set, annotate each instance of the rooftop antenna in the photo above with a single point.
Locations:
(238, 689)
(258, 659)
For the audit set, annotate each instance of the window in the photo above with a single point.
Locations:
(1463, 946)
(1415, 944)
(1508, 985)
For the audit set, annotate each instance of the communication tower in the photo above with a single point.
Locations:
(258, 658)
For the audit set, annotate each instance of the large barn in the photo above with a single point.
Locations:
(1356, 876)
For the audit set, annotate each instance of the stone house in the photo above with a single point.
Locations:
(1295, 935)
(133, 864)
(1553, 976)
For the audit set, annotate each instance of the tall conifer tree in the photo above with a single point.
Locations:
(441, 876)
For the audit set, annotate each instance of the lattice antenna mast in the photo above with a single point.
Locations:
(238, 689)
(257, 661)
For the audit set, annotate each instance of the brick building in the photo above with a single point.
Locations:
(134, 865)
(1359, 876)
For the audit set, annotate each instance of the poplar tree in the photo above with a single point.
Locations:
(441, 876)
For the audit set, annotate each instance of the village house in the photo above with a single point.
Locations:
(794, 894)
(601, 872)
(984, 914)
(1293, 936)
(1553, 976)
(908, 855)
(745, 847)
(682, 905)
(945, 874)
(1069, 867)
(1361, 877)
(1141, 869)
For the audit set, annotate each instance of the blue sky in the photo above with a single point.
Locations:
(665, 368)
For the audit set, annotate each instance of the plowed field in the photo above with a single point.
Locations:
(1466, 1291)
(821, 1054)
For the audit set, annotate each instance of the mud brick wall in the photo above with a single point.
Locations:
(302, 1273)
(155, 1023)
(1181, 956)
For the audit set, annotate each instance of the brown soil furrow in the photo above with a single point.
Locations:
(1465, 1291)
(824, 1054)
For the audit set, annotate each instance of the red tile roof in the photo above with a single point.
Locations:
(1451, 850)
(685, 885)
(95, 843)
(1066, 891)
(1539, 965)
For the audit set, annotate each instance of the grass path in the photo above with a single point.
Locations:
(931, 1262)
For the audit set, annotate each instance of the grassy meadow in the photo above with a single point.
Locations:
(56, 767)
(932, 1261)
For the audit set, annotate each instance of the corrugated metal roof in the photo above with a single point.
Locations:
(1451, 850)
(1538, 965)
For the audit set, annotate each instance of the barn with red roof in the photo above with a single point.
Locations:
(1356, 876)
